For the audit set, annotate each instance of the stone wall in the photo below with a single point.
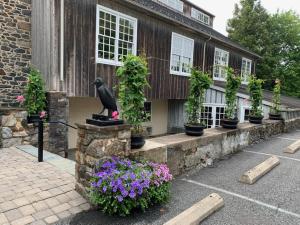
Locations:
(14, 129)
(98, 144)
(15, 49)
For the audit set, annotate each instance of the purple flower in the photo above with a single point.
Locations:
(94, 184)
(124, 193)
(132, 194)
(132, 176)
(104, 189)
(120, 198)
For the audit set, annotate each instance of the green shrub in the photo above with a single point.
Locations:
(256, 95)
(133, 80)
(233, 83)
(276, 97)
(199, 83)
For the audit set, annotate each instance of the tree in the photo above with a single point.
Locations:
(275, 38)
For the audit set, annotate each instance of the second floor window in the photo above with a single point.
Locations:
(182, 52)
(246, 69)
(116, 36)
(196, 14)
(175, 4)
(220, 64)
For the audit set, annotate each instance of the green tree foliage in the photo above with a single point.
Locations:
(256, 95)
(133, 80)
(199, 83)
(274, 37)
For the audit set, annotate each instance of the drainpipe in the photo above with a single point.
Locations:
(204, 52)
(61, 69)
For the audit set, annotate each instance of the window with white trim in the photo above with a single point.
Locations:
(182, 52)
(116, 36)
(246, 69)
(220, 63)
(212, 115)
(175, 4)
(200, 16)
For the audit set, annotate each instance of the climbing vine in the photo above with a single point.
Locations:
(276, 97)
(256, 95)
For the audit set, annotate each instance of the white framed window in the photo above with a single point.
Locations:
(116, 36)
(182, 52)
(200, 16)
(175, 4)
(246, 69)
(147, 112)
(220, 63)
(213, 114)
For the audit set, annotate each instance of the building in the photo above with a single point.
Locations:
(75, 41)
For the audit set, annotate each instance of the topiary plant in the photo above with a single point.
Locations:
(276, 97)
(199, 83)
(233, 83)
(133, 80)
(256, 95)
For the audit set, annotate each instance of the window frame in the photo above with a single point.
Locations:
(227, 63)
(166, 2)
(196, 11)
(180, 73)
(214, 107)
(151, 112)
(247, 60)
(116, 61)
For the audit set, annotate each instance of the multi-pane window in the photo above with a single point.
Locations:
(246, 69)
(200, 16)
(212, 115)
(116, 36)
(181, 55)
(175, 4)
(147, 111)
(220, 64)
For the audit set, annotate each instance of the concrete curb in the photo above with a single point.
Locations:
(251, 176)
(291, 149)
(198, 212)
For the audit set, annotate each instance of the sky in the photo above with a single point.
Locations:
(223, 9)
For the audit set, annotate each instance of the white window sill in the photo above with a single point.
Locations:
(245, 82)
(109, 62)
(180, 73)
(219, 79)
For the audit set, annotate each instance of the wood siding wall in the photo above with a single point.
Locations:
(80, 67)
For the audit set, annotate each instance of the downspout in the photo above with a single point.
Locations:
(61, 65)
(204, 52)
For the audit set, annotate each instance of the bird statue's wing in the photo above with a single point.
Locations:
(108, 99)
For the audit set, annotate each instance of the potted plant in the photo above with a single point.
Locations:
(34, 99)
(199, 83)
(233, 83)
(132, 82)
(255, 90)
(275, 110)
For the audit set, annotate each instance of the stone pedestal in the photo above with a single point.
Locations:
(98, 144)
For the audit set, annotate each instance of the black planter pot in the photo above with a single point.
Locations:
(229, 123)
(137, 141)
(33, 118)
(194, 130)
(256, 119)
(275, 116)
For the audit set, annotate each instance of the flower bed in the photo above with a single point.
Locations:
(120, 186)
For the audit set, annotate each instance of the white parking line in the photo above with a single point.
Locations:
(290, 139)
(275, 208)
(279, 156)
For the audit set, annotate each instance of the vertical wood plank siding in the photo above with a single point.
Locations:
(154, 39)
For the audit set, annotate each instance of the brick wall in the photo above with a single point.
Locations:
(15, 49)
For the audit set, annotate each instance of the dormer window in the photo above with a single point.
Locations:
(175, 4)
(200, 16)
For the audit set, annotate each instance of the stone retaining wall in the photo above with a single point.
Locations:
(98, 144)
(14, 129)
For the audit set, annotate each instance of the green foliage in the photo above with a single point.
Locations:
(275, 37)
(256, 95)
(233, 83)
(199, 83)
(133, 80)
(35, 95)
(276, 97)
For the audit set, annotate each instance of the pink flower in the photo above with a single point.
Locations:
(42, 114)
(20, 99)
(115, 115)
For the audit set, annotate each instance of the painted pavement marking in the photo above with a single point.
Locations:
(279, 156)
(266, 205)
(289, 139)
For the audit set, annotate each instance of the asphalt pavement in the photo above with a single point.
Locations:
(273, 200)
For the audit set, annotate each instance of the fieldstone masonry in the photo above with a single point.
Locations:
(14, 129)
(15, 49)
(97, 144)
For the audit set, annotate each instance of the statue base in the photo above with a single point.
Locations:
(102, 121)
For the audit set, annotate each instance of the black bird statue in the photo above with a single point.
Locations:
(106, 97)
